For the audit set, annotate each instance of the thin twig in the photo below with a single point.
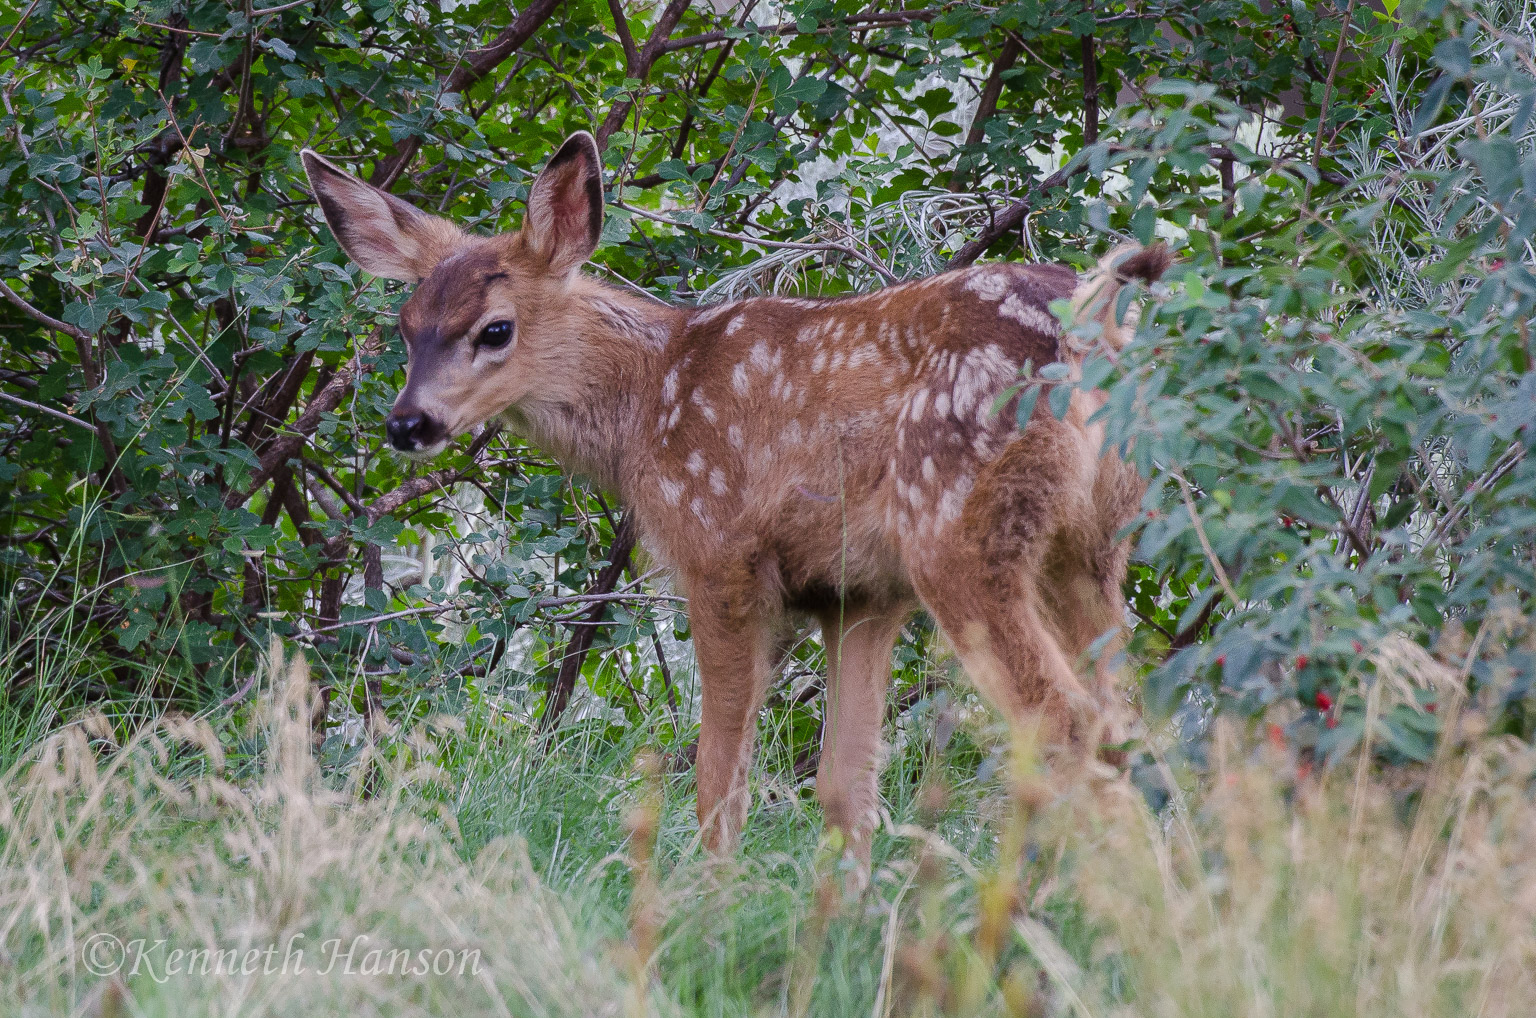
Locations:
(857, 22)
(1205, 543)
(262, 12)
(1333, 69)
(35, 314)
(50, 411)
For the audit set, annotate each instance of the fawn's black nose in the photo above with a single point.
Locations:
(406, 431)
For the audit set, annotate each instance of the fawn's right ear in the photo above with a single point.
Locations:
(565, 205)
(382, 234)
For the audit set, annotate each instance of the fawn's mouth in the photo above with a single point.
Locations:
(422, 454)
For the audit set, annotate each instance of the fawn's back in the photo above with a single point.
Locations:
(818, 443)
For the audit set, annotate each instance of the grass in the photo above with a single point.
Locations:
(570, 882)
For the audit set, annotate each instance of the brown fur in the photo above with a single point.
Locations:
(842, 458)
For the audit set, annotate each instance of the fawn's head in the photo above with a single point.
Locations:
(488, 322)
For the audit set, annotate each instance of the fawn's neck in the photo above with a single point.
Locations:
(609, 369)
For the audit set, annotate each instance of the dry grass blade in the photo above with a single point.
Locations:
(149, 867)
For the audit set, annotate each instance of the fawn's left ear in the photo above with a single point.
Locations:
(565, 205)
(382, 234)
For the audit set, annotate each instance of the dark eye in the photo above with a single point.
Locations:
(494, 336)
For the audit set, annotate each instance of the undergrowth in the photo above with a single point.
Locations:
(566, 878)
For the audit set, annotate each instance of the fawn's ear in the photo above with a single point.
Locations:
(565, 205)
(382, 234)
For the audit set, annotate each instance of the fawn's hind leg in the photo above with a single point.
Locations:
(983, 576)
(1008, 650)
(1083, 587)
(859, 639)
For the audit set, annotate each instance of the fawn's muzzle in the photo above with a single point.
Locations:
(410, 431)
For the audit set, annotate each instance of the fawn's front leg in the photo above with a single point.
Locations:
(859, 639)
(734, 654)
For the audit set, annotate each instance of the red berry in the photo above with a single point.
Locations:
(1324, 701)
(1277, 736)
(1301, 660)
(1431, 707)
(1356, 644)
(1332, 721)
(1221, 660)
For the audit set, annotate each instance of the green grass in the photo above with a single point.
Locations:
(1001, 886)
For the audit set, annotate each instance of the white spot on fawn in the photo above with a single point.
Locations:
(735, 325)
(671, 490)
(1029, 316)
(739, 378)
(981, 374)
(819, 362)
(988, 284)
(930, 472)
(941, 404)
(669, 387)
(717, 481)
(696, 463)
(733, 435)
(760, 357)
(866, 354)
(952, 502)
(704, 405)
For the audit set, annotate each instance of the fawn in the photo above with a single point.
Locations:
(840, 458)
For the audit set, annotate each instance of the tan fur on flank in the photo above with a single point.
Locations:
(842, 459)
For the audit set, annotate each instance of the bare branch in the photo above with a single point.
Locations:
(986, 106)
(626, 40)
(50, 411)
(36, 315)
(857, 22)
(583, 632)
(321, 403)
(476, 64)
(1011, 218)
(655, 46)
(1333, 70)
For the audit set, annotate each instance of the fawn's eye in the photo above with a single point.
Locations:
(494, 336)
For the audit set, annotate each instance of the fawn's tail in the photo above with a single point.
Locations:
(1098, 291)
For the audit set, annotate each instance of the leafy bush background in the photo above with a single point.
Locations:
(1333, 390)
